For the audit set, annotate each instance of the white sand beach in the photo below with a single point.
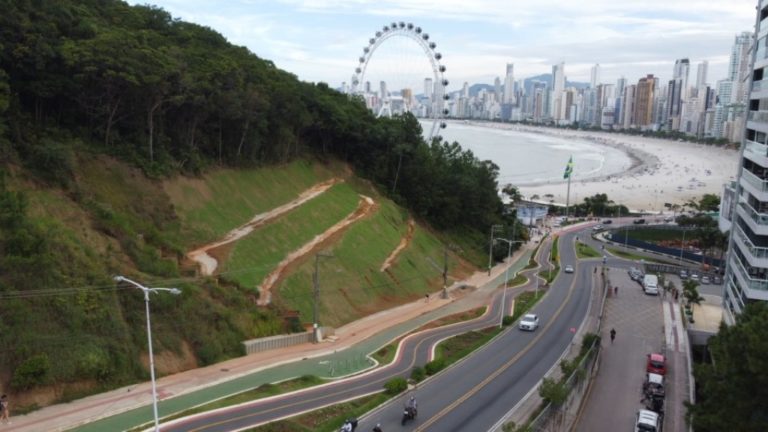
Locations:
(663, 171)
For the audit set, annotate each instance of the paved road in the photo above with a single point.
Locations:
(474, 395)
(415, 350)
(471, 396)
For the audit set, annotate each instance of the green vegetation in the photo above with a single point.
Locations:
(654, 235)
(119, 164)
(456, 348)
(584, 250)
(736, 374)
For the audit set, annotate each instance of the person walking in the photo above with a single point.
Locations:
(4, 410)
(616, 290)
(613, 335)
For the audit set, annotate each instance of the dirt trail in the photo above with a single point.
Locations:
(364, 207)
(404, 242)
(208, 263)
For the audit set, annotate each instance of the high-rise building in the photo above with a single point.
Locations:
(738, 67)
(383, 90)
(497, 89)
(644, 101)
(558, 86)
(701, 74)
(594, 76)
(509, 85)
(744, 205)
(428, 88)
(628, 110)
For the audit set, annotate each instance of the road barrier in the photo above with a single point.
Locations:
(281, 341)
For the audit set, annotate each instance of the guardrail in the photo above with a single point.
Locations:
(281, 341)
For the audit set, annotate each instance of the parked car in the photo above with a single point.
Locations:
(694, 277)
(705, 280)
(717, 280)
(529, 322)
(607, 222)
(657, 364)
(669, 219)
(597, 227)
(635, 274)
(638, 221)
(568, 268)
(647, 421)
(683, 274)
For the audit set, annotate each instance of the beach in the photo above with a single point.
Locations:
(662, 171)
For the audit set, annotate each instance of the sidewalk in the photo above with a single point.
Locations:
(130, 406)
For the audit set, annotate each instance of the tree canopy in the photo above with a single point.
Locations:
(734, 387)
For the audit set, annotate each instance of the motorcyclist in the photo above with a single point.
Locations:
(377, 428)
(412, 405)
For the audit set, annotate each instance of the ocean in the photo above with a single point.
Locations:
(528, 158)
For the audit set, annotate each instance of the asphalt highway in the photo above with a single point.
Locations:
(472, 395)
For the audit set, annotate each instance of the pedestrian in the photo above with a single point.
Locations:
(426, 298)
(4, 410)
(616, 290)
(613, 335)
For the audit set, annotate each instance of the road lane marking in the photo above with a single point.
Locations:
(504, 367)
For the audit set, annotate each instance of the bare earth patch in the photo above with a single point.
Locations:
(404, 242)
(208, 263)
(364, 208)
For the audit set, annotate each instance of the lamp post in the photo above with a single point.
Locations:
(506, 277)
(316, 284)
(146, 291)
(490, 251)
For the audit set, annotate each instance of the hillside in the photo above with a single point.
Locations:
(130, 140)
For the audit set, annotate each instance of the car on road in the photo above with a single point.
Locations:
(694, 277)
(669, 219)
(529, 322)
(568, 268)
(705, 280)
(647, 421)
(635, 274)
(683, 274)
(717, 280)
(597, 227)
(657, 364)
(638, 221)
(607, 222)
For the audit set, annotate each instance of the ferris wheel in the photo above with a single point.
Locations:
(431, 105)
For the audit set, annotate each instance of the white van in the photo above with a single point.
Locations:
(651, 284)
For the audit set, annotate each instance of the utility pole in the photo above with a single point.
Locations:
(316, 285)
(445, 273)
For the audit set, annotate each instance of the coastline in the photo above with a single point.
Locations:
(661, 171)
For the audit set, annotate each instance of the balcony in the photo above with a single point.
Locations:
(756, 152)
(758, 222)
(754, 184)
(758, 86)
(756, 255)
(745, 280)
(758, 116)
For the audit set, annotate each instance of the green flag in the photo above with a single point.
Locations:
(568, 168)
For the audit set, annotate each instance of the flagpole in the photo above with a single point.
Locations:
(568, 198)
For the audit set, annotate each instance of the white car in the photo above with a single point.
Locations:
(705, 280)
(647, 421)
(568, 269)
(529, 322)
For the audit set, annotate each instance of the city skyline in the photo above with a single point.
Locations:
(319, 40)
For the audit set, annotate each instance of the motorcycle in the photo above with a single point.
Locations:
(349, 426)
(409, 413)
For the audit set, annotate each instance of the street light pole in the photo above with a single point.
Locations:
(490, 251)
(146, 291)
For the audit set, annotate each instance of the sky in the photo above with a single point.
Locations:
(321, 40)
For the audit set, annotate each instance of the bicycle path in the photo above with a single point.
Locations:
(130, 406)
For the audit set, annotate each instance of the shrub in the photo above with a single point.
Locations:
(396, 385)
(434, 366)
(418, 373)
(508, 320)
(33, 371)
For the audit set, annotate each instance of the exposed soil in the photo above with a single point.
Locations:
(208, 263)
(404, 242)
(364, 208)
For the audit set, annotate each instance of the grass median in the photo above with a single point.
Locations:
(636, 257)
(586, 251)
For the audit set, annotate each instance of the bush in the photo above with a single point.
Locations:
(396, 385)
(33, 371)
(434, 366)
(589, 340)
(508, 320)
(418, 373)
